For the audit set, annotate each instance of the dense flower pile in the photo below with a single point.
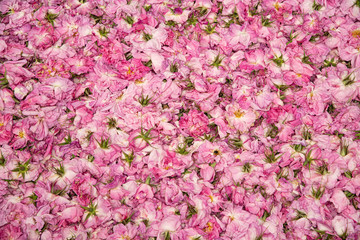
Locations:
(150, 119)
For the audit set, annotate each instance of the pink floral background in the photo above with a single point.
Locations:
(175, 120)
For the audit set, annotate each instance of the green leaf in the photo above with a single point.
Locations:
(104, 144)
(129, 20)
(357, 3)
(192, 20)
(111, 123)
(348, 80)
(344, 149)
(147, 7)
(246, 167)
(266, 22)
(66, 141)
(128, 56)
(147, 64)
(265, 215)
(145, 135)
(285, 227)
(210, 29)
(273, 131)
(3, 81)
(278, 60)
(128, 219)
(171, 23)
(22, 168)
(306, 59)
(348, 174)
(90, 210)
(349, 194)
(2, 15)
(291, 37)
(129, 157)
(167, 236)
(298, 147)
(191, 211)
(306, 134)
(50, 17)
(97, 19)
(144, 100)
(60, 171)
(147, 36)
(282, 87)
(148, 180)
(91, 158)
(330, 109)
(254, 10)
(173, 68)
(316, 6)
(217, 61)
(103, 32)
(315, 37)
(272, 156)
(308, 160)
(201, 11)
(33, 197)
(299, 215)
(88, 136)
(58, 192)
(317, 193)
(323, 169)
(189, 141)
(2, 160)
(181, 149)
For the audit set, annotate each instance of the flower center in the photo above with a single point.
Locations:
(239, 113)
(209, 227)
(277, 6)
(129, 72)
(216, 152)
(356, 33)
(21, 134)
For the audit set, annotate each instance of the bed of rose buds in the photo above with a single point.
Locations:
(176, 120)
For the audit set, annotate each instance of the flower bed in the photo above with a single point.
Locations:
(179, 119)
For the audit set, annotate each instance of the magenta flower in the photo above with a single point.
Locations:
(194, 123)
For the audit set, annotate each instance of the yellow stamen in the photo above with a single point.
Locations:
(239, 113)
(277, 6)
(21, 134)
(209, 227)
(356, 33)
(216, 152)
(139, 81)
(129, 71)
(1, 124)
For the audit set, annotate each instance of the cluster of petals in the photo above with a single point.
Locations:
(179, 119)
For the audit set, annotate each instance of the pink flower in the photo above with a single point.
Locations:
(143, 193)
(171, 193)
(5, 128)
(169, 224)
(239, 35)
(133, 70)
(10, 232)
(342, 225)
(239, 118)
(21, 134)
(72, 214)
(340, 200)
(194, 123)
